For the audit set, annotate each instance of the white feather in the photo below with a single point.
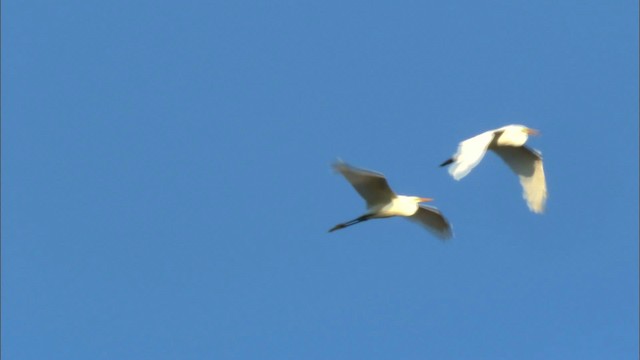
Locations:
(470, 153)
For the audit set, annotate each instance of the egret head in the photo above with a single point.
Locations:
(515, 135)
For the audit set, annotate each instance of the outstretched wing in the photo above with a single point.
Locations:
(432, 219)
(372, 186)
(527, 164)
(469, 154)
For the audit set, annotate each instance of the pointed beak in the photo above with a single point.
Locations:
(533, 132)
(425, 200)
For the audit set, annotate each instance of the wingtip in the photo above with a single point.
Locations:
(447, 233)
(537, 210)
(446, 237)
(338, 164)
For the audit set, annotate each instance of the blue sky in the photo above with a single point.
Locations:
(167, 191)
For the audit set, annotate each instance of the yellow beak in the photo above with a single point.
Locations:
(532, 131)
(425, 200)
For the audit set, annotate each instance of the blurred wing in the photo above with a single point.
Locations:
(432, 219)
(372, 186)
(527, 164)
(469, 154)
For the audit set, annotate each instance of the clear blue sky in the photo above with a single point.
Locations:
(167, 191)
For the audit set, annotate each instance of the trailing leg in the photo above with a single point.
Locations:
(352, 222)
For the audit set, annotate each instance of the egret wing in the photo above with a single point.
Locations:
(527, 164)
(372, 186)
(432, 219)
(470, 153)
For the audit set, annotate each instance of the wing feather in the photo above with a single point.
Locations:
(372, 186)
(470, 153)
(527, 164)
(433, 220)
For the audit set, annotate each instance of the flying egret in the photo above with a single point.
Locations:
(382, 202)
(508, 142)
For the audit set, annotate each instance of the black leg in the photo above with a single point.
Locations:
(349, 223)
(447, 162)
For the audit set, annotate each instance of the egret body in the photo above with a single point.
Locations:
(508, 143)
(382, 202)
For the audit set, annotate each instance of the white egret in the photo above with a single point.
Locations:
(382, 202)
(508, 142)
